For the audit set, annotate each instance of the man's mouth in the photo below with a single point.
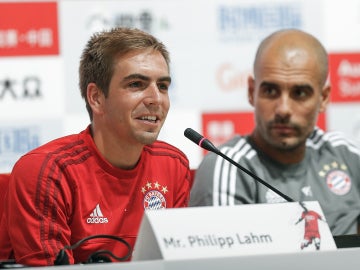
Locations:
(150, 118)
(283, 129)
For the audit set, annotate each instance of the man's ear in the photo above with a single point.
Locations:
(251, 89)
(325, 98)
(95, 98)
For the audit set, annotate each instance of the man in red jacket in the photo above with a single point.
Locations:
(101, 180)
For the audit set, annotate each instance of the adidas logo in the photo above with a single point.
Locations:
(97, 216)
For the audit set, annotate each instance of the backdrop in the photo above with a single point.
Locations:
(212, 45)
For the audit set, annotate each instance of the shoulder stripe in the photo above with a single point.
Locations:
(233, 172)
(224, 180)
(170, 152)
(158, 145)
(316, 135)
(334, 138)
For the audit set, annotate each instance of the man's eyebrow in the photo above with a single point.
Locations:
(136, 76)
(296, 86)
(303, 85)
(146, 78)
(165, 78)
(268, 84)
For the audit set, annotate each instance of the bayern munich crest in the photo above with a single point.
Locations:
(154, 195)
(338, 182)
(154, 200)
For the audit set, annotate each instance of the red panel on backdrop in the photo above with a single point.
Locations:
(28, 28)
(345, 77)
(219, 127)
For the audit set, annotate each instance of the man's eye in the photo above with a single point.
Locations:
(135, 84)
(302, 93)
(163, 86)
(269, 91)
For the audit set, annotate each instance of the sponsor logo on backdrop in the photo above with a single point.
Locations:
(345, 77)
(251, 22)
(14, 142)
(144, 20)
(28, 87)
(220, 127)
(229, 78)
(28, 29)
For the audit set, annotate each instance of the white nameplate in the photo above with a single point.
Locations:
(201, 232)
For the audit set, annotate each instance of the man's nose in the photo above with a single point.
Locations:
(283, 106)
(153, 95)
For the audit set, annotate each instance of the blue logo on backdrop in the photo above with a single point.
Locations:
(144, 20)
(16, 141)
(240, 23)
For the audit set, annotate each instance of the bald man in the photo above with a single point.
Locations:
(286, 149)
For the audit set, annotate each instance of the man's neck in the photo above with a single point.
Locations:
(283, 156)
(121, 155)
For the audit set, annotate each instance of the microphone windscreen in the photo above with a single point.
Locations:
(192, 135)
(200, 140)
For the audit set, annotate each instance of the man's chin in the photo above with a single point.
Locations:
(287, 145)
(148, 137)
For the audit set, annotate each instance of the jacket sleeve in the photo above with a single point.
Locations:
(37, 211)
(202, 189)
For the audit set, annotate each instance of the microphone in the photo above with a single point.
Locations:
(200, 140)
